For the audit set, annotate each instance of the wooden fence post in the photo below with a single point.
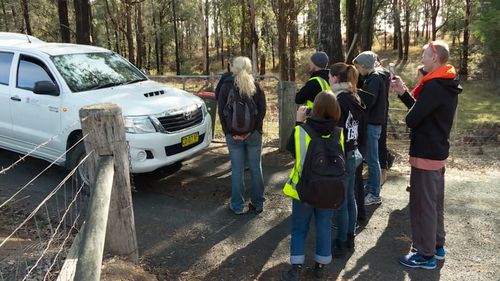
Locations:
(106, 136)
(288, 110)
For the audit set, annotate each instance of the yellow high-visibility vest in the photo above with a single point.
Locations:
(302, 140)
(324, 87)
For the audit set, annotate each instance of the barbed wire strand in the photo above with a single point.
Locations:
(61, 248)
(52, 238)
(78, 194)
(43, 171)
(54, 191)
(4, 170)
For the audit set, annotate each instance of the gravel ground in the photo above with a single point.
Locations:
(186, 232)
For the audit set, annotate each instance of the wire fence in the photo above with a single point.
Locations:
(475, 134)
(38, 224)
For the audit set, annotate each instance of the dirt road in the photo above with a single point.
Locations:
(186, 232)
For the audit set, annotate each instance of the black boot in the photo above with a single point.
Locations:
(319, 270)
(293, 274)
(350, 242)
(339, 248)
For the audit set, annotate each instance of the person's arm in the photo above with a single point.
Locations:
(305, 93)
(373, 86)
(261, 106)
(399, 87)
(221, 104)
(221, 82)
(427, 102)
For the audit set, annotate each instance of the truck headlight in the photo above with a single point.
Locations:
(139, 125)
(204, 109)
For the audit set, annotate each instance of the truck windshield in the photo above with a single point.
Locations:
(83, 72)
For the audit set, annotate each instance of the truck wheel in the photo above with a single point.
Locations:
(81, 175)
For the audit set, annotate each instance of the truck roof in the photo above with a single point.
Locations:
(17, 41)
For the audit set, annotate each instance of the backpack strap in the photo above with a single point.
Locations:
(309, 130)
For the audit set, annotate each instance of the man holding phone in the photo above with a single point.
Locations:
(432, 106)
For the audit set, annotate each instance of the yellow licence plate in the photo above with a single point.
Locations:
(190, 139)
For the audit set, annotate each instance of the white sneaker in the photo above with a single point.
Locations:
(372, 200)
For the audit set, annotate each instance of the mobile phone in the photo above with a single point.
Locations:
(392, 70)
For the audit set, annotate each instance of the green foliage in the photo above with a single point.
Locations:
(486, 26)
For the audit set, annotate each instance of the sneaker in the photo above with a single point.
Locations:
(319, 271)
(252, 208)
(440, 253)
(238, 212)
(293, 274)
(415, 260)
(372, 200)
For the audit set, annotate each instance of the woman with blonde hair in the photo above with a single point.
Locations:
(242, 107)
(343, 79)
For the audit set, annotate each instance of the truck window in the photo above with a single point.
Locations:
(31, 70)
(5, 62)
(89, 71)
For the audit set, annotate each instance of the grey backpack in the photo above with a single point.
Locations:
(240, 113)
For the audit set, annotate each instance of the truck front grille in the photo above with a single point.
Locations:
(178, 122)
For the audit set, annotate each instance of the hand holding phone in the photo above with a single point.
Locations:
(392, 70)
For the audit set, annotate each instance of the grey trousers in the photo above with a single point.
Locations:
(426, 210)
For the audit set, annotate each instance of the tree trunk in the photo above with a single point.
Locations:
(407, 32)
(329, 30)
(254, 36)
(139, 35)
(159, 68)
(398, 39)
(62, 9)
(243, 29)
(176, 39)
(129, 31)
(366, 28)
(82, 19)
(207, 38)
(280, 9)
(26, 16)
(351, 27)
(435, 6)
(465, 44)
(294, 38)
(262, 64)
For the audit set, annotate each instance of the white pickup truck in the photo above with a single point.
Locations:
(43, 86)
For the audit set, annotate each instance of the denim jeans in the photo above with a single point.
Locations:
(372, 137)
(346, 215)
(239, 151)
(301, 216)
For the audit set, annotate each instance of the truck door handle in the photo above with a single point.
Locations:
(16, 98)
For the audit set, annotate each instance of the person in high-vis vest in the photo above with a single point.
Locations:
(317, 82)
(324, 117)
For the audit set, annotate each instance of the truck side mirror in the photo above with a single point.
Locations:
(46, 88)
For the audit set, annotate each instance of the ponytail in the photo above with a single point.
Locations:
(352, 77)
(346, 73)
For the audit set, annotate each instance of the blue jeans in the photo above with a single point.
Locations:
(346, 215)
(372, 137)
(301, 216)
(239, 151)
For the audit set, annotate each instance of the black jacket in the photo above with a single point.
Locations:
(350, 119)
(321, 126)
(259, 99)
(374, 84)
(223, 77)
(430, 118)
(311, 88)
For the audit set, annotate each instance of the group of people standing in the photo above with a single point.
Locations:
(355, 98)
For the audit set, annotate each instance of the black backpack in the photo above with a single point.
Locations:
(240, 113)
(321, 183)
